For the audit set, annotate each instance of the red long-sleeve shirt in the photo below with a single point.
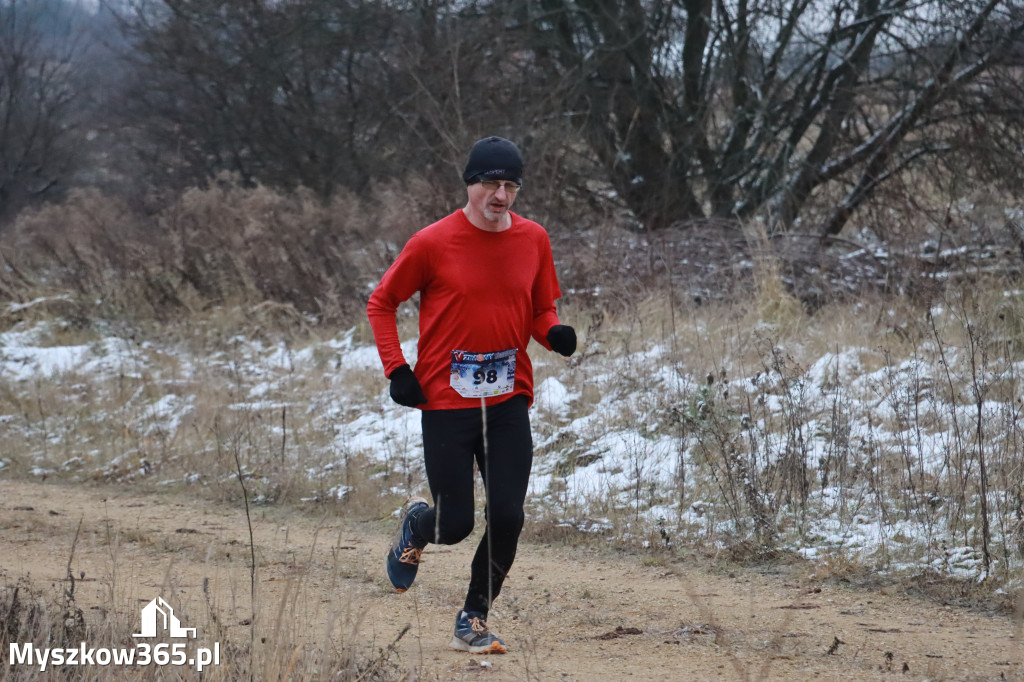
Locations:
(480, 291)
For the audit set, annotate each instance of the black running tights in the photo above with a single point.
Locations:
(452, 441)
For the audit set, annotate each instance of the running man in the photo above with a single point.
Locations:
(487, 284)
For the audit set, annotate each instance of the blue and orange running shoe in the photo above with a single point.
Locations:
(472, 635)
(404, 554)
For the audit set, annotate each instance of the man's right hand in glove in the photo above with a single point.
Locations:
(405, 387)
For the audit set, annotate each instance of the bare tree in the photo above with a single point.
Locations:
(299, 92)
(803, 111)
(326, 95)
(41, 100)
(723, 108)
(275, 92)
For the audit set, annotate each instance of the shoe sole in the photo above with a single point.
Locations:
(492, 648)
(412, 501)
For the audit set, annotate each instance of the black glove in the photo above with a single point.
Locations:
(405, 387)
(562, 339)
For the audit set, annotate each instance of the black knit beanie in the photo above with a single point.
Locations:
(494, 158)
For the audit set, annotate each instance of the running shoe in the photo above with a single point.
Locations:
(406, 548)
(472, 635)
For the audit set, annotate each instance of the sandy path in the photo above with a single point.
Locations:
(566, 614)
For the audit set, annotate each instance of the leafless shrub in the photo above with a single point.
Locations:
(286, 257)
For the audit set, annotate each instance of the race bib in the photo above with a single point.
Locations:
(482, 375)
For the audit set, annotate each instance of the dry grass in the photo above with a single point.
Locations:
(733, 385)
(286, 260)
(731, 392)
(255, 636)
(276, 646)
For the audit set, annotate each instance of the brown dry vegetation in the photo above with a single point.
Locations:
(233, 276)
(573, 609)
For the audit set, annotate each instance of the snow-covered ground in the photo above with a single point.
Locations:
(877, 463)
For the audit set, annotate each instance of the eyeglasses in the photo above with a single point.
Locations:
(493, 185)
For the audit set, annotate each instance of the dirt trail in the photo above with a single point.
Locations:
(566, 614)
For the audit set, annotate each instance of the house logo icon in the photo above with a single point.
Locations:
(159, 612)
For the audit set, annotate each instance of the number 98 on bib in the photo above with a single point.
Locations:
(482, 375)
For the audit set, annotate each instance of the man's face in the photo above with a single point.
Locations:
(491, 199)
